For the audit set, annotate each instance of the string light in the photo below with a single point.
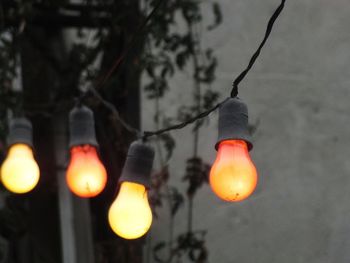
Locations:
(233, 176)
(86, 176)
(20, 173)
(130, 215)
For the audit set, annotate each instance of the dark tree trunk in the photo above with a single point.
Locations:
(39, 82)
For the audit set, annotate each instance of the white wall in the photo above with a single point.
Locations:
(299, 89)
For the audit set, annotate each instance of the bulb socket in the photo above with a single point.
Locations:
(138, 164)
(82, 127)
(20, 131)
(233, 122)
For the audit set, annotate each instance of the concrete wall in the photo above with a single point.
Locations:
(299, 90)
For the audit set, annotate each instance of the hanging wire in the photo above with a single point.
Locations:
(115, 113)
(181, 125)
(144, 135)
(270, 24)
(201, 115)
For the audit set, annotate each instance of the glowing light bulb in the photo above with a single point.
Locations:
(86, 176)
(20, 173)
(233, 176)
(130, 215)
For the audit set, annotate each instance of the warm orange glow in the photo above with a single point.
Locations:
(86, 175)
(20, 172)
(233, 176)
(130, 215)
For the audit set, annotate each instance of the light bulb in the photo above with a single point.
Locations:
(130, 215)
(233, 176)
(86, 176)
(20, 173)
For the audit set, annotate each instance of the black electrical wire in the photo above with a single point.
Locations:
(181, 125)
(115, 113)
(270, 24)
(144, 135)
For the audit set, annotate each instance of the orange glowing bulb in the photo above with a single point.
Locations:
(20, 173)
(233, 176)
(86, 176)
(130, 215)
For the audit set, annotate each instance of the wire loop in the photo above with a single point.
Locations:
(143, 135)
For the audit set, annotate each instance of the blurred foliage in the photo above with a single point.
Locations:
(170, 51)
(196, 175)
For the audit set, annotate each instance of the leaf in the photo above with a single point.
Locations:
(169, 145)
(159, 179)
(177, 200)
(196, 175)
(252, 127)
(209, 99)
(156, 88)
(157, 249)
(218, 16)
(181, 59)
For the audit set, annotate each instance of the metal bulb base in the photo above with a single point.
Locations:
(20, 132)
(138, 164)
(82, 127)
(233, 122)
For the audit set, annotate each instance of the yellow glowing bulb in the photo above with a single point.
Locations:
(20, 173)
(86, 176)
(130, 215)
(233, 176)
